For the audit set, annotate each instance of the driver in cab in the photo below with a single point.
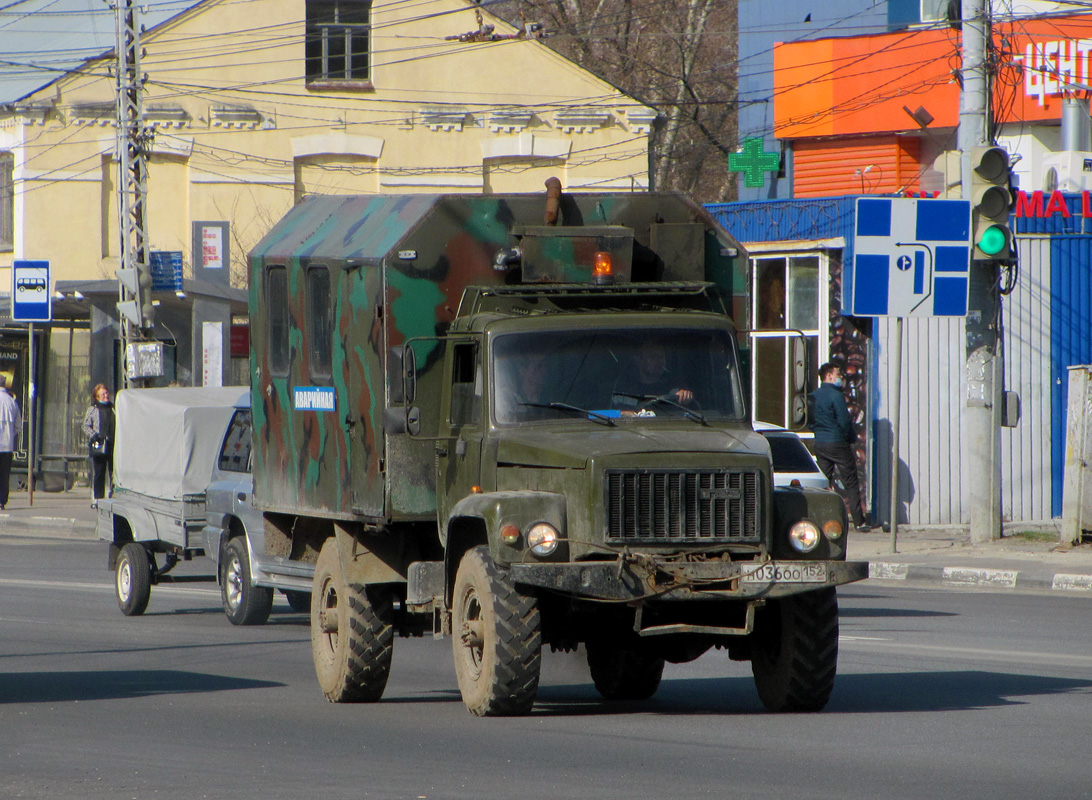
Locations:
(646, 379)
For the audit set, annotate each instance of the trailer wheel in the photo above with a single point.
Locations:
(352, 633)
(496, 638)
(244, 603)
(133, 579)
(298, 601)
(794, 652)
(624, 673)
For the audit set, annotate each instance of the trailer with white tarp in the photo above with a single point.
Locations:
(166, 451)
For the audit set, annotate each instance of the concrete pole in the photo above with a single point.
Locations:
(982, 430)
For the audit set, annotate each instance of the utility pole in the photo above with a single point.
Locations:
(136, 313)
(982, 435)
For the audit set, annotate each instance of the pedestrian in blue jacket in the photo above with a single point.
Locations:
(834, 436)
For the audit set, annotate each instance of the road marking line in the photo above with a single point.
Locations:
(978, 654)
(73, 586)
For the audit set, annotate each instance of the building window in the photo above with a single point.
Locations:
(788, 307)
(338, 40)
(277, 299)
(319, 329)
(936, 10)
(7, 201)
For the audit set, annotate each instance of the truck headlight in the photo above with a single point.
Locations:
(542, 539)
(804, 536)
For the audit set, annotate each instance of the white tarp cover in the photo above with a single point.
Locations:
(166, 440)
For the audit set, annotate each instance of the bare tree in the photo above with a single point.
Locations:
(678, 56)
(245, 231)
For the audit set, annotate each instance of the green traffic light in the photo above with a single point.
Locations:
(993, 240)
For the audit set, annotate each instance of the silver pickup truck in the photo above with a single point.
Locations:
(182, 488)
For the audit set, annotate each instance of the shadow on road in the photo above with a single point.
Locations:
(58, 687)
(882, 693)
(944, 691)
(846, 613)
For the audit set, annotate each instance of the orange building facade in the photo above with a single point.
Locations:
(876, 114)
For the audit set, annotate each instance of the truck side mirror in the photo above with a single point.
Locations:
(403, 416)
(402, 368)
(409, 375)
(798, 392)
(800, 363)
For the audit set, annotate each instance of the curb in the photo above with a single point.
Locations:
(979, 577)
(58, 527)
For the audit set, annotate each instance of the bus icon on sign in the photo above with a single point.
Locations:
(30, 285)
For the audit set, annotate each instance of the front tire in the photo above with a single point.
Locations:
(133, 579)
(352, 633)
(496, 639)
(244, 603)
(794, 653)
(624, 673)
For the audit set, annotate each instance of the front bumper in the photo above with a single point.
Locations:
(639, 577)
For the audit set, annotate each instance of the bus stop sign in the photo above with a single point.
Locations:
(31, 300)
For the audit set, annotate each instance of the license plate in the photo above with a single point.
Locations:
(785, 573)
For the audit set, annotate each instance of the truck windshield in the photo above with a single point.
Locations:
(619, 373)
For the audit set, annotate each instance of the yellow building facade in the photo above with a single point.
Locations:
(254, 104)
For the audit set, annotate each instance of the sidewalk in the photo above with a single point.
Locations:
(944, 556)
(55, 515)
(937, 556)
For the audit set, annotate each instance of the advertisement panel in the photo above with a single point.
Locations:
(904, 81)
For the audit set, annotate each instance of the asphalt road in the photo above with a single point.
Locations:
(939, 695)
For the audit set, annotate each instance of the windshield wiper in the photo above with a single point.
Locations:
(659, 398)
(595, 415)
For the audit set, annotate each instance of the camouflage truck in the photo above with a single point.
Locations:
(518, 420)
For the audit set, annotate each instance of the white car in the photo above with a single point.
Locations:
(791, 459)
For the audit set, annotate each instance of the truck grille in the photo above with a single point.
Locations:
(668, 506)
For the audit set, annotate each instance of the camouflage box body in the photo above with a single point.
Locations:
(474, 423)
(398, 267)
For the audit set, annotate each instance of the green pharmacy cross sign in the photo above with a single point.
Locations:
(751, 161)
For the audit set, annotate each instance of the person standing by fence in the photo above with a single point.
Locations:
(834, 436)
(98, 424)
(11, 426)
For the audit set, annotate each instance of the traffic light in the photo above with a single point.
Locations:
(991, 201)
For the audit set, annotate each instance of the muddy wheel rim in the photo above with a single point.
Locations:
(471, 632)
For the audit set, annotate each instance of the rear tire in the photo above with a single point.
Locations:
(352, 633)
(794, 652)
(244, 603)
(623, 673)
(496, 639)
(133, 579)
(298, 601)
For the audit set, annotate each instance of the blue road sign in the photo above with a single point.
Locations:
(166, 266)
(911, 258)
(31, 299)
